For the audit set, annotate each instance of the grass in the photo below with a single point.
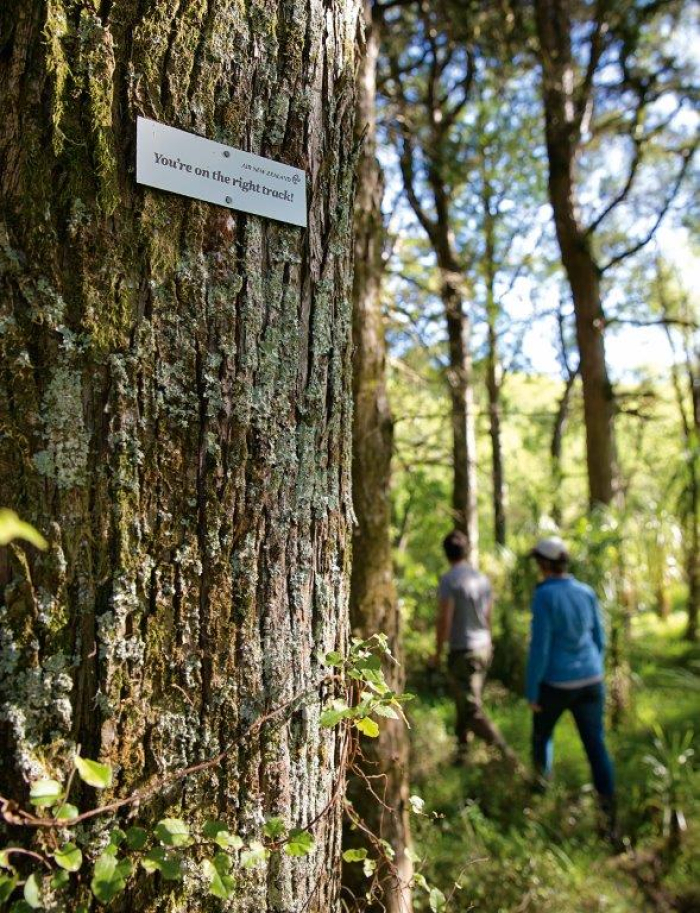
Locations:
(509, 850)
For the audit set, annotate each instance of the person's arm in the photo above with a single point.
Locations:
(540, 641)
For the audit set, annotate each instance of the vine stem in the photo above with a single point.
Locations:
(17, 816)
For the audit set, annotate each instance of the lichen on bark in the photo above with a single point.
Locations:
(175, 412)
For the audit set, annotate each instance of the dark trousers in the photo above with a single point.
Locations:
(466, 675)
(587, 705)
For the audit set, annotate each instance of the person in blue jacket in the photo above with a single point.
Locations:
(565, 668)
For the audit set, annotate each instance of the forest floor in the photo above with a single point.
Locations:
(510, 851)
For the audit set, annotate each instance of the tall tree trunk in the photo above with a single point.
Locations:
(464, 485)
(373, 601)
(557, 445)
(493, 379)
(175, 403)
(562, 130)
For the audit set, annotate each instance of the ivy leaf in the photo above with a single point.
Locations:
(136, 838)
(437, 900)
(109, 877)
(274, 828)
(369, 867)
(32, 891)
(221, 883)
(337, 711)
(66, 812)
(5, 860)
(386, 711)
(11, 527)
(7, 885)
(334, 659)
(69, 857)
(419, 881)
(254, 855)
(45, 793)
(218, 833)
(60, 880)
(368, 726)
(172, 832)
(93, 773)
(300, 842)
(160, 860)
(358, 855)
(20, 906)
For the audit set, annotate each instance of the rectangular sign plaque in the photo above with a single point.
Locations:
(174, 160)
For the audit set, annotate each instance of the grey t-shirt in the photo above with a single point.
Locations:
(471, 593)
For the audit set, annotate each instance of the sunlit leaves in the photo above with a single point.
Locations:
(69, 857)
(45, 793)
(172, 832)
(299, 843)
(93, 773)
(161, 860)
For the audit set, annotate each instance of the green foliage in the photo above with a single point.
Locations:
(94, 773)
(11, 527)
(671, 777)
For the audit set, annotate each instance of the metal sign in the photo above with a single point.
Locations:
(174, 160)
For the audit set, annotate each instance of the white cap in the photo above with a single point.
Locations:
(553, 549)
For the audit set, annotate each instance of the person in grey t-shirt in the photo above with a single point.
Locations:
(464, 617)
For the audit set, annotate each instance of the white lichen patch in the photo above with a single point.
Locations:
(64, 459)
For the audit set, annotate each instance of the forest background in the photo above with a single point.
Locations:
(177, 414)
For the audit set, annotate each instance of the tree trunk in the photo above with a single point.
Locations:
(493, 380)
(562, 130)
(557, 445)
(175, 404)
(373, 601)
(464, 487)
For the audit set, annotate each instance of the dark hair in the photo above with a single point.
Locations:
(456, 545)
(553, 566)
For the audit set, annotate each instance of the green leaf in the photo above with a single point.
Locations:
(45, 793)
(5, 860)
(368, 726)
(437, 900)
(221, 884)
(160, 860)
(117, 836)
(419, 881)
(218, 833)
(275, 828)
(334, 659)
(369, 867)
(69, 857)
(136, 838)
(20, 906)
(32, 891)
(7, 885)
(172, 832)
(300, 842)
(109, 877)
(355, 855)
(60, 880)
(386, 711)
(254, 855)
(66, 812)
(11, 527)
(93, 773)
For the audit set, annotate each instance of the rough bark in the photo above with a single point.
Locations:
(175, 405)
(374, 604)
(562, 131)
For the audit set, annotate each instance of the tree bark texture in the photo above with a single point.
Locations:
(562, 130)
(175, 408)
(374, 604)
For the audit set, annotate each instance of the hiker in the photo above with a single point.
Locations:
(464, 617)
(565, 668)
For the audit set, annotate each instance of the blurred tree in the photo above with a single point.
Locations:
(614, 94)
(374, 604)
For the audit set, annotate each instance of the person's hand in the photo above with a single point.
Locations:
(535, 708)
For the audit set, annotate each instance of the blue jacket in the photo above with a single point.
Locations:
(567, 641)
